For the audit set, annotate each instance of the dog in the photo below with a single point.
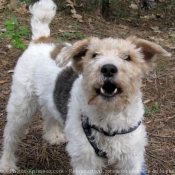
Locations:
(89, 94)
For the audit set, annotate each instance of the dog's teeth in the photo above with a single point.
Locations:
(102, 90)
(115, 91)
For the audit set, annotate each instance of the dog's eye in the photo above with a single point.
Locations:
(94, 55)
(127, 58)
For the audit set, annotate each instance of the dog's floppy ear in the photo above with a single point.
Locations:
(149, 49)
(75, 52)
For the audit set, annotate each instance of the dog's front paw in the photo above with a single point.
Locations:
(7, 167)
(54, 138)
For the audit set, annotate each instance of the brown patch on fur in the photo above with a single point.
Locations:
(51, 40)
(44, 39)
(56, 50)
(78, 62)
(90, 101)
(77, 51)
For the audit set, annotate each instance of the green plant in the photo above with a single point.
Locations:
(28, 2)
(173, 36)
(76, 25)
(147, 111)
(60, 39)
(150, 112)
(122, 35)
(69, 35)
(77, 33)
(16, 33)
(155, 107)
(31, 169)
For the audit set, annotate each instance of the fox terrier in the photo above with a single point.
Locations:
(88, 93)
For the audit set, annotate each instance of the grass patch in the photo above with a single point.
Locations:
(173, 36)
(71, 35)
(150, 112)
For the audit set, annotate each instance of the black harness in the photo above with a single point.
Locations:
(87, 130)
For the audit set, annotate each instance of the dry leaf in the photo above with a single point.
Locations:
(155, 29)
(4, 62)
(78, 17)
(2, 81)
(21, 10)
(60, 30)
(73, 11)
(134, 6)
(3, 4)
(18, 6)
(6, 92)
(145, 17)
(146, 101)
(10, 71)
(9, 46)
(2, 30)
(89, 20)
(70, 3)
(123, 26)
(172, 47)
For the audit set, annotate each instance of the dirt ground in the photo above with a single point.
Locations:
(158, 92)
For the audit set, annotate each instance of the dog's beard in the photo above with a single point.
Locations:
(107, 96)
(114, 103)
(110, 93)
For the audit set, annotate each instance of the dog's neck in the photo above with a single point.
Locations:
(86, 124)
(87, 130)
(119, 120)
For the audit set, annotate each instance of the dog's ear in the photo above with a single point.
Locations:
(75, 53)
(149, 49)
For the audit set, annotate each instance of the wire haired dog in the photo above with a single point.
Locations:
(88, 91)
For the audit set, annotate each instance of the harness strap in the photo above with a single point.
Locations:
(123, 131)
(91, 139)
(87, 130)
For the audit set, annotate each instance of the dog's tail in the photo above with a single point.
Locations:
(42, 12)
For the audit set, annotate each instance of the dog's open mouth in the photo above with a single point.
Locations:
(109, 89)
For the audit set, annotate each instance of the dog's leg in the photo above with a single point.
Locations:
(83, 158)
(20, 111)
(130, 165)
(53, 131)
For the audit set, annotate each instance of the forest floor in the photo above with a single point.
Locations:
(158, 91)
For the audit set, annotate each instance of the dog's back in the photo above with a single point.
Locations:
(35, 69)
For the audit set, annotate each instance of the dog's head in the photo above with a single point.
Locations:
(112, 69)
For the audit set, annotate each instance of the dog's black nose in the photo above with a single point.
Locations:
(109, 70)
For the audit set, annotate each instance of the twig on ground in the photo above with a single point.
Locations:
(155, 135)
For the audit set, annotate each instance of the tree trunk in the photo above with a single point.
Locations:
(105, 8)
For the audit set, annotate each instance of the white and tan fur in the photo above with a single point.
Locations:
(34, 82)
